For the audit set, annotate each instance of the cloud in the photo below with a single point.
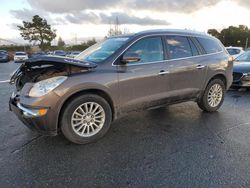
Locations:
(13, 26)
(27, 15)
(87, 18)
(82, 17)
(243, 3)
(128, 19)
(64, 6)
(173, 6)
(90, 17)
(84, 11)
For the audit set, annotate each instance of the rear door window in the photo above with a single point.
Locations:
(178, 47)
(209, 45)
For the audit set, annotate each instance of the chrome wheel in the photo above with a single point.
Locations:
(215, 95)
(88, 119)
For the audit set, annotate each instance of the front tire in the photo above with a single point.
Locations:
(86, 119)
(213, 96)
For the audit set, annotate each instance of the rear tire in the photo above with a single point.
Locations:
(80, 121)
(213, 96)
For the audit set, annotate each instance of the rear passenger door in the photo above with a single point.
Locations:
(186, 69)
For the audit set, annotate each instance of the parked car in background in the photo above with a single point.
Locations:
(3, 51)
(49, 53)
(73, 54)
(37, 54)
(235, 51)
(68, 53)
(4, 56)
(122, 74)
(59, 53)
(20, 57)
(241, 71)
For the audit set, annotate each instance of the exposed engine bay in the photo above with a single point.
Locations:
(35, 70)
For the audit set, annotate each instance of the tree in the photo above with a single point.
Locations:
(214, 33)
(38, 30)
(233, 36)
(91, 42)
(60, 43)
(82, 46)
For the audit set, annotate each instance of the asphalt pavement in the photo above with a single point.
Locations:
(176, 146)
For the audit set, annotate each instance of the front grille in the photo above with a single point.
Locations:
(237, 76)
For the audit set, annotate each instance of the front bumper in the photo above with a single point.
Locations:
(241, 84)
(241, 81)
(4, 59)
(20, 60)
(41, 124)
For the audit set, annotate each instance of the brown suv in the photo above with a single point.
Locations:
(82, 96)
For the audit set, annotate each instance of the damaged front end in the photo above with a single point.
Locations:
(33, 102)
(38, 69)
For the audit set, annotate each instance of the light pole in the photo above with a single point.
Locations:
(246, 43)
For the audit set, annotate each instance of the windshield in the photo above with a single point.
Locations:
(103, 50)
(244, 57)
(233, 51)
(59, 52)
(20, 53)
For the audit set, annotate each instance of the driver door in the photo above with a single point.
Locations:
(143, 84)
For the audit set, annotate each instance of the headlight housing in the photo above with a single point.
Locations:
(43, 87)
(246, 76)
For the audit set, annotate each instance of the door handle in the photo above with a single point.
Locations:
(163, 72)
(200, 66)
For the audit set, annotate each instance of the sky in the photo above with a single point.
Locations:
(83, 19)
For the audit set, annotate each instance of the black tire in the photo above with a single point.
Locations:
(68, 111)
(203, 102)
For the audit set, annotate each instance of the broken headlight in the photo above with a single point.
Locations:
(45, 86)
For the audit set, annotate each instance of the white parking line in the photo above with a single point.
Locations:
(4, 81)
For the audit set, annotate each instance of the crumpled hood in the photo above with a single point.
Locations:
(53, 60)
(44, 67)
(242, 67)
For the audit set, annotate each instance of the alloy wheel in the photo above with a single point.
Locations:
(88, 119)
(215, 95)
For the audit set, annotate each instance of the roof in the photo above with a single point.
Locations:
(174, 31)
(164, 31)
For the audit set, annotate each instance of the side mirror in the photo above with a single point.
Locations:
(130, 57)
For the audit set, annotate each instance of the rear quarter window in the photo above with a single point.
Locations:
(209, 45)
(193, 48)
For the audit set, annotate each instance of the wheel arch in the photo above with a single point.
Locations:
(215, 76)
(218, 76)
(98, 92)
